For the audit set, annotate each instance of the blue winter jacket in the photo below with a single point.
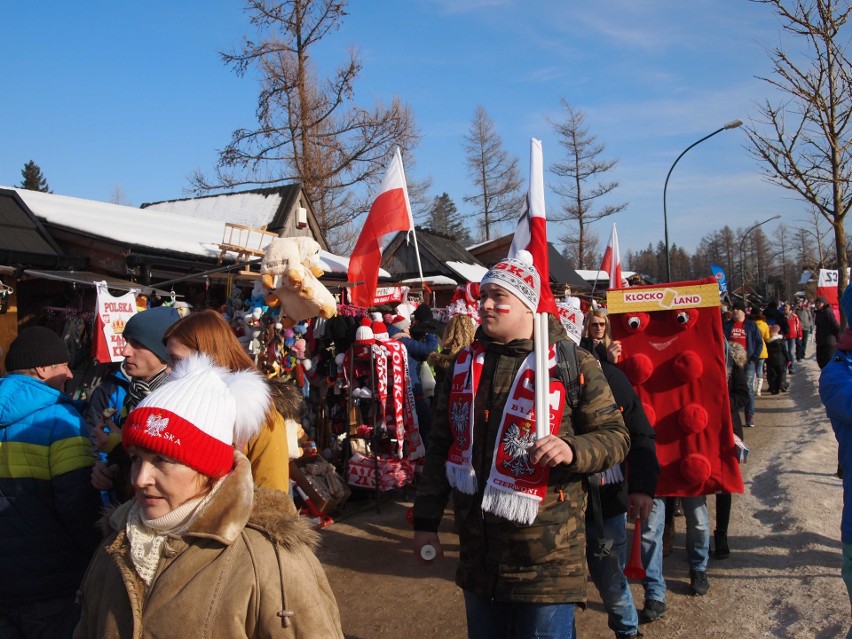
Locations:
(48, 508)
(835, 391)
(754, 340)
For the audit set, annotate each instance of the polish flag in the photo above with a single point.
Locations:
(612, 262)
(531, 232)
(390, 213)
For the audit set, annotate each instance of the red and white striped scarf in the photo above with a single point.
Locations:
(515, 487)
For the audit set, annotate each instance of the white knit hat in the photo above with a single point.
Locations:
(196, 416)
(364, 335)
(518, 276)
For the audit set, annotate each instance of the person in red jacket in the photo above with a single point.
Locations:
(794, 333)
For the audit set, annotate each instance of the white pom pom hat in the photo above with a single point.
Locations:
(197, 416)
(518, 276)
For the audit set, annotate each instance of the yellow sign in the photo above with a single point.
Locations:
(665, 298)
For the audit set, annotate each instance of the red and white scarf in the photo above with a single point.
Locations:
(515, 487)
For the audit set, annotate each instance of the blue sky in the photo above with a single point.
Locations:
(133, 96)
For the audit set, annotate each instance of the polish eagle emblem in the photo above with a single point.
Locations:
(155, 425)
(516, 442)
(460, 416)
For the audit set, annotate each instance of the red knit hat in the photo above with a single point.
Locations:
(193, 418)
(364, 335)
(380, 331)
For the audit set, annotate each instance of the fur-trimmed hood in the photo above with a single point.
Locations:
(738, 355)
(236, 504)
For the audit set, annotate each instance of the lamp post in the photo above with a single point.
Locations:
(742, 255)
(733, 124)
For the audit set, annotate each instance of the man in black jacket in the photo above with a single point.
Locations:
(826, 331)
(627, 492)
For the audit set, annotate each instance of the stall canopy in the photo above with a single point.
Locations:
(89, 278)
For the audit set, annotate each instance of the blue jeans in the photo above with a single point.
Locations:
(697, 532)
(750, 373)
(791, 351)
(489, 619)
(608, 575)
(652, 552)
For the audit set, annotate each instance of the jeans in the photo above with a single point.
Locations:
(750, 373)
(652, 552)
(697, 532)
(489, 619)
(802, 344)
(759, 366)
(608, 575)
(791, 351)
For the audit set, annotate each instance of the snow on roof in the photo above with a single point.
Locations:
(590, 275)
(470, 272)
(331, 263)
(434, 280)
(127, 224)
(249, 209)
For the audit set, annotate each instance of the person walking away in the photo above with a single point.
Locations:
(793, 335)
(776, 363)
(520, 518)
(744, 332)
(760, 364)
(738, 394)
(826, 331)
(807, 323)
(626, 492)
(835, 391)
(201, 551)
(48, 509)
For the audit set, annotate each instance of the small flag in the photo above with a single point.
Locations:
(611, 262)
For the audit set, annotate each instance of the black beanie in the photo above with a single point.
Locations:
(36, 346)
(149, 327)
(423, 313)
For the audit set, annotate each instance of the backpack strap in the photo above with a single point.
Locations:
(568, 370)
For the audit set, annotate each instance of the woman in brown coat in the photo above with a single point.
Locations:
(199, 551)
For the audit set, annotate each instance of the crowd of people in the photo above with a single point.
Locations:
(162, 505)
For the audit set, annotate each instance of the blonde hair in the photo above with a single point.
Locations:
(458, 333)
(607, 338)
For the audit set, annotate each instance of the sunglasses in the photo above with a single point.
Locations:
(598, 324)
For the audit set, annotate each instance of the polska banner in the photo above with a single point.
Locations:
(827, 285)
(112, 316)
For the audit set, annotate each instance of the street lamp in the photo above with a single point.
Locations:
(742, 255)
(733, 124)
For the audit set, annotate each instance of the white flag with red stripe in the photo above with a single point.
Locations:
(390, 213)
(531, 232)
(612, 262)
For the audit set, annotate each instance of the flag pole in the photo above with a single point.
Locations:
(410, 217)
(540, 325)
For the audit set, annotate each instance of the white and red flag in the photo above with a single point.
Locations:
(390, 213)
(531, 232)
(612, 261)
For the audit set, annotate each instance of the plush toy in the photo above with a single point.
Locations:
(290, 268)
(258, 297)
(673, 354)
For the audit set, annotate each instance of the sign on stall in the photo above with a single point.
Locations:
(112, 316)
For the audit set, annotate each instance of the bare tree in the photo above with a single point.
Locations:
(806, 144)
(308, 129)
(118, 196)
(581, 173)
(495, 174)
(590, 250)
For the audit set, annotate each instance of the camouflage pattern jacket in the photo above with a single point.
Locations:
(544, 562)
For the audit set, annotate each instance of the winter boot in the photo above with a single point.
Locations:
(668, 539)
(721, 551)
(759, 387)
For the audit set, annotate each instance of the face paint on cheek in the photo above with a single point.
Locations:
(502, 308)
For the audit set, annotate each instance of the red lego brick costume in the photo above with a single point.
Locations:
(673, 353)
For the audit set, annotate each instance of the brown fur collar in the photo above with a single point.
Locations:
(738, 354)
(238, 504)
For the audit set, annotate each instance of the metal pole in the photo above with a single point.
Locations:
(733, 124)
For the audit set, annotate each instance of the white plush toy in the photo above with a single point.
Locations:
(289, 270)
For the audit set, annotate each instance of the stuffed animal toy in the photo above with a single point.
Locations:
(674, 355)
(289, 269)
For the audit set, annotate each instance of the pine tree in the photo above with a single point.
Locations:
(444, 219)
(33, 178)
